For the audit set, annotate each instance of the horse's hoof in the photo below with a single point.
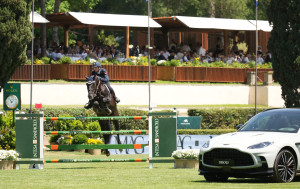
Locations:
(107, 153)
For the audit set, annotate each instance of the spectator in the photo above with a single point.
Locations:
(201, 51)
(247, 58)
(161, 56)
(166, 54)
(268, 57)
(172, 56)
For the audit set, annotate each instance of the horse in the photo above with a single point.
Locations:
(101, 98)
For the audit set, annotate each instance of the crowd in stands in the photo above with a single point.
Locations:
(183, 53)
(186, 53)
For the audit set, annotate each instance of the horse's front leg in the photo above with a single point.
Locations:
(106, 126)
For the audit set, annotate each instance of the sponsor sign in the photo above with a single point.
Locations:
(191, 122)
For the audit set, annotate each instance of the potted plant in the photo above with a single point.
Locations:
(94, 151)
(186, 158)
(7, 159)
(80, 139)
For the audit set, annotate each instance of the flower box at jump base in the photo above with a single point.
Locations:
(30, 146)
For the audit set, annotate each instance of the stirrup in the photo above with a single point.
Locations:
(117, 99)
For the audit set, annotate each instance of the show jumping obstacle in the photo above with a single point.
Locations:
(29, 144)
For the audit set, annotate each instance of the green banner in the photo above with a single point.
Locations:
(191, 122)
(12, 96)
(28, 138)
(164, 134)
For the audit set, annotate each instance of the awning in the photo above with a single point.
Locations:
(37, 18)
(114, 20)
(185, 22)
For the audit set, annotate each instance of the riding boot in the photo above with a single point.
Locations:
(88, 105)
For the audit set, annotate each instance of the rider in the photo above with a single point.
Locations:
(102, 74)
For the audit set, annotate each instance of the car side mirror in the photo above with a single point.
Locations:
(237, 127)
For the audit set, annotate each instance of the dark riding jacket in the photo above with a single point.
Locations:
(102, 74)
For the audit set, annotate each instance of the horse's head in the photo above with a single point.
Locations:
(92, 87)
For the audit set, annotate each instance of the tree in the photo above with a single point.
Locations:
(15, 34)
(285, 47)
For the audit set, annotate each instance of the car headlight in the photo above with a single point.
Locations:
(260, 145)
(206, 145)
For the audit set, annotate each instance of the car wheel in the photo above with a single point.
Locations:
(215, 178)
(284, 167)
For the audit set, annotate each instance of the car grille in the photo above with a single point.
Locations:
(239, 158)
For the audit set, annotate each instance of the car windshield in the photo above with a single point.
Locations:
(281, 120)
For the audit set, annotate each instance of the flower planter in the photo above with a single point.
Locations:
(208, 74)
(7, 164)
(166, 73)
(40, 73)
(131, 73)
(94, 151)
(121, 73)
(186, 163)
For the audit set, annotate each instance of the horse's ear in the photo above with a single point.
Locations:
(87, 78)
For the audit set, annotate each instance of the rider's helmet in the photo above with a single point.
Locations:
(96, 64)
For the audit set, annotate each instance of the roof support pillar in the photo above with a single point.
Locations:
(179, 39)
(205, 41)
(226, 42)
(66, 35)
(127, 41)
(91, 35)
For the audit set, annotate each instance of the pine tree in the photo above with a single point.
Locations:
(285, 47)
(15, 34)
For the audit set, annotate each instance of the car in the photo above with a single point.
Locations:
(267, 145)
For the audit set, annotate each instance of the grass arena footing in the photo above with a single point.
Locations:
(95, 160)
(95, 146)
(95, 118)
(135, 132)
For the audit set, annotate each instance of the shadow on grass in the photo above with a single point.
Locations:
(80, 168)
(247, 180)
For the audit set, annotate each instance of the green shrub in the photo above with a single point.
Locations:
(94, 126)
(45, 60)
(222, 118)
(174, 62)
(54, 138)
(153, 62)
(7, 130)
(65, 60)
(204, 131)
(80, 139)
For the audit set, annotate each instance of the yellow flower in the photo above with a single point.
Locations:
(92, 141)
(145, 64)
(38, 62)
(196, 58)
(99, 141)
(78, 61)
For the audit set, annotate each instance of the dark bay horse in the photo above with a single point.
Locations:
(101, 98)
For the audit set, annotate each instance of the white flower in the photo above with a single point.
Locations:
(92, 60)
(8, 155)
(186, 154)
(161, 62)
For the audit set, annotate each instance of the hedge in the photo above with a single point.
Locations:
(204, 131)
(225, 118)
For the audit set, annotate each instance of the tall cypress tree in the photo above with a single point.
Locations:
(285, 46)
(15, 34)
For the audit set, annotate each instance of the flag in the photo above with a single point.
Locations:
(256, 3)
